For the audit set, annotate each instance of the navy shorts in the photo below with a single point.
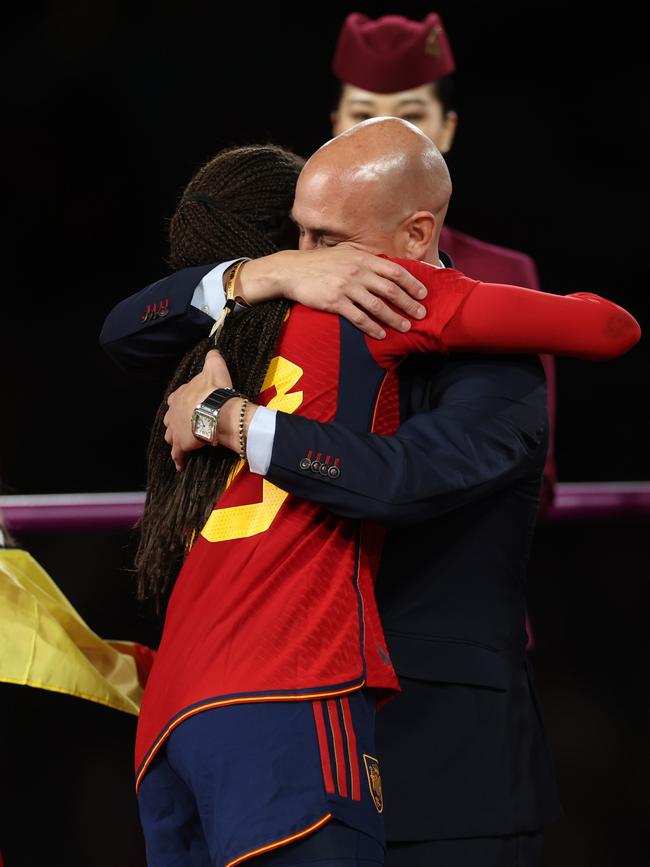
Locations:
(239, 782)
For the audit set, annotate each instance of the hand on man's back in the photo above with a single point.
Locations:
(346, 280)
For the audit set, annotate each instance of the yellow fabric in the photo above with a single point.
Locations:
(45, 643)
(239, 522)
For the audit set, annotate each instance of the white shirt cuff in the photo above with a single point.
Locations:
(259, 445)
(209, 295)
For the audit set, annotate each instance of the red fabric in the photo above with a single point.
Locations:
(512, 319)
(339, 754)
(144, 657)
(467, 315)
(277, 611)
(323, 746)
(274, 615)
(393, 53)
(482, 261)
(355, 784)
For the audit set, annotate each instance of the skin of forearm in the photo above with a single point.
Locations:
(265, 278)
(229, 417)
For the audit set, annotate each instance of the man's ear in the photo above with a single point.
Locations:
(446, 137)
(420, 228)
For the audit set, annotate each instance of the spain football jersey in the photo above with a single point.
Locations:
(275, 600)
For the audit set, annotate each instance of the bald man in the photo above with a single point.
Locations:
(382, 185)
(467, 774)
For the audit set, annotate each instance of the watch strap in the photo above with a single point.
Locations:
(218, 397)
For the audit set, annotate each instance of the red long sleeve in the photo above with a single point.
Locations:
(494, 317)
(465, 315)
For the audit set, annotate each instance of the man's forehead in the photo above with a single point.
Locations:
(319, 212)
(318, 180)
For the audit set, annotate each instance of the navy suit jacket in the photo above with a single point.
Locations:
(463, 749)
(142, 341)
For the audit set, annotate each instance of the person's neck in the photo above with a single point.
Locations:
(432, 256)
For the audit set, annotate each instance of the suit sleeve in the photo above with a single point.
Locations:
(488, 426)
(148, 333)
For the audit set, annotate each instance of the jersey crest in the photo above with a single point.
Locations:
(374, 781)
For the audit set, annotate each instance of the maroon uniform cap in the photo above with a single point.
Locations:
(392, 53)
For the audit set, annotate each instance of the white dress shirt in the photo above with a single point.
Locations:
(209, 295)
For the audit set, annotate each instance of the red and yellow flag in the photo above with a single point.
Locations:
(45, 643)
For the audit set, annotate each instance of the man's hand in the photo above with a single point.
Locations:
(183, 402)
(344, 279)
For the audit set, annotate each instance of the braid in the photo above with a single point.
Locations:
(237, 204)
(240, 200)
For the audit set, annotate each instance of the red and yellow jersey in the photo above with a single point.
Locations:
(275, 600)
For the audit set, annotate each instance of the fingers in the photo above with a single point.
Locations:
(397, 297)
(371, 292)
(391, 271)
(400, 276)
(360, 319)
(178, 457)
(370, 300)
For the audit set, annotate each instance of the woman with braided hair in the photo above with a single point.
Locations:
(256, 731)
(238, 202)
(257, 772)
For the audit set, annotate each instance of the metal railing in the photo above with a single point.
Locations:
(119, 511)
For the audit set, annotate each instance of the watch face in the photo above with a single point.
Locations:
(204, 426)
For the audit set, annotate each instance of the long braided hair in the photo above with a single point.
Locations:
(235, 205)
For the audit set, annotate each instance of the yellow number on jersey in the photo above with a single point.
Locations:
(239, 522)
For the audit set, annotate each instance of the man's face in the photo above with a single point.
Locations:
(419, 106)
(328, 211)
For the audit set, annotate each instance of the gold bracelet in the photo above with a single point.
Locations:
(242, 434)
(229, 306)
(230, 288)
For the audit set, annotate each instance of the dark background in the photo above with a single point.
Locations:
(109, 108)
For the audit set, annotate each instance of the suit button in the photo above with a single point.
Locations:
(163, 311)
(334, 472)
(315, 466)
(324, 469)
(305, 464)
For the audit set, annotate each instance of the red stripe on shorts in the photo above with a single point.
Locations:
(325, 759)
(339, 756)
(355, 783)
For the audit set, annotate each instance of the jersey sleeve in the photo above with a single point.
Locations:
(465, 315)
(448, 291)
(512, 319)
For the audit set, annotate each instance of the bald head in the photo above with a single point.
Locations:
(382, 184)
